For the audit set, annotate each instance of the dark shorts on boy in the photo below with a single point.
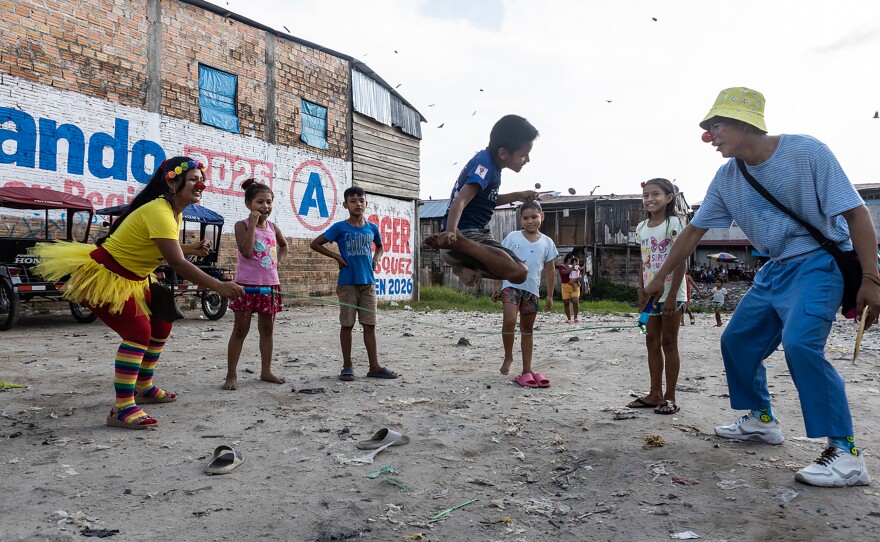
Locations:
(526, 301)
(484, 237)
(356, 300)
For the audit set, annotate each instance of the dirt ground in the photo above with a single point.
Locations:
(562, 463)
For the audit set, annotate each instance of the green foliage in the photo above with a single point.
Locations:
(614, 292)
(446, 299)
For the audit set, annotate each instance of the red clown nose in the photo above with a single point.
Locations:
(200, 185)
(707, 137)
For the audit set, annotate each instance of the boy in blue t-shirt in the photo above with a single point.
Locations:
(356, 287)
(465, 242)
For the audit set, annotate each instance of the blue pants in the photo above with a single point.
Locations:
(793, 303)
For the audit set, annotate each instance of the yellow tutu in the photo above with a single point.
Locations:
(89, 282)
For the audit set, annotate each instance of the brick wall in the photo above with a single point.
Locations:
(75, 52)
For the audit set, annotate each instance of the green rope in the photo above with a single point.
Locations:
(478, 332)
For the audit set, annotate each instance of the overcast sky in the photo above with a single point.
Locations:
(616, 95)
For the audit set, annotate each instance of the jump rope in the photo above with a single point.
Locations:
(269, 291)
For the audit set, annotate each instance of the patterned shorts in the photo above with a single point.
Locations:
(525, 300)
(259, 303)
(717, 304)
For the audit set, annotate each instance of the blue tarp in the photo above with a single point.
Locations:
(192, 213)
(217, 99)
(759, 254)
(314, 125)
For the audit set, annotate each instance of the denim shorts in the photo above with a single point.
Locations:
(658, 308)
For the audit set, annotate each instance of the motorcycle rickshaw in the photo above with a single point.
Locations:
(64, 217)
(214, 305)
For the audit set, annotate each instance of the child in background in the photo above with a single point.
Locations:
(466, 243)
(656, 235)
(356, 287)
(261, 247)
(719, 298)
(569, 275)
(690, 285)
(538, 252)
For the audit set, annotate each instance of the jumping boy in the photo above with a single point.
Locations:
(356, 287)
(465, 241)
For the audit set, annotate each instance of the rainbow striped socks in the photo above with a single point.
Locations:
(126, 367)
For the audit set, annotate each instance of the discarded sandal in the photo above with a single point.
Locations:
(526, 380)
(383, 437)
(666, 407)
(641, 403)
(541, 380)
(225, 460)
(154, 395)
(382, 373)
(131, 417)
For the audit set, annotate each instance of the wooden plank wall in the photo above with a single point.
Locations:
(384, 160)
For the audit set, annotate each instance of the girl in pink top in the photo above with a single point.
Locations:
(261, 248)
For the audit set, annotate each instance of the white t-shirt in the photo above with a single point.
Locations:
(656, 243)
(535, 255)
(718, 295)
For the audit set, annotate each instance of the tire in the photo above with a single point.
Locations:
(214, 305)
(82, 314)
(10, 307)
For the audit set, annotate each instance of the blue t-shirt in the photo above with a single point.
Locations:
(803, 175)
(356, 247)
(535, 255)
(482, 171)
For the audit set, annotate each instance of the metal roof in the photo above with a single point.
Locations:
(433, 208)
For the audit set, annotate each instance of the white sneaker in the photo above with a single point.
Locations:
(835, 468)
(752, 429)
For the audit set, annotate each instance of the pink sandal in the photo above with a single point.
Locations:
(526, 380)
(541, 380)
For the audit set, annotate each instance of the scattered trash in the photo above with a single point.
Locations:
(249, 370)
(786, 495)
(98, 533)
(10, 385)
(624, 414)
(731, 484)
(384, 469)
(463, 342)
(367, 459)
(573, 339)
(684, 535)
(684, 481)
(312, 390)
(401, 487)
(462, 505)
(654, 441)
(417, 536)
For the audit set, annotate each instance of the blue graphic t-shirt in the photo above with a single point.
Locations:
(356, 247)
(482, 171)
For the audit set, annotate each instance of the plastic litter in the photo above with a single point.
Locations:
(786, 495)
(384, 469)
(684, 535)
(462, 505)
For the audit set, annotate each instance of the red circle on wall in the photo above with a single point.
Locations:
(293, 203)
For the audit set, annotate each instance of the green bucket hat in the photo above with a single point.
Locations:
(740, 103)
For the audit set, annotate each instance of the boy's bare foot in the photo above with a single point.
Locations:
(269, 377)
(505, 366)
(231, 383)
(467, 275)
(444, 240)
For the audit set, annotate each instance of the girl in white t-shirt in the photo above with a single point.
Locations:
(656, 235)
(719, 297)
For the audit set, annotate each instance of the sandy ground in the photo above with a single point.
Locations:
(563, 463)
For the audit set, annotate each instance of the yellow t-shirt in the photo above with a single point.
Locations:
(132, 244)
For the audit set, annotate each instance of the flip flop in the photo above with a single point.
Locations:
(526, 380)
(383, 437)
(347, 374)
(541, 380)
(382, 373)
(669, 405)
(226, 459)
(641, 403)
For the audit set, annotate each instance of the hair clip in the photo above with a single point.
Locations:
(182, 168)
(643, 184)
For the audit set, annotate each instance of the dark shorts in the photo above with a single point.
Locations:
(484, 237)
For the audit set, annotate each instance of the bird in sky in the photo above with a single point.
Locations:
(398, 85)
(441, 126)
(285, 28)
(474, 113)
(654, 19)
(877, 114)
(431, 105)
(608, 101)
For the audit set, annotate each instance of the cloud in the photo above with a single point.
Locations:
(485, 14)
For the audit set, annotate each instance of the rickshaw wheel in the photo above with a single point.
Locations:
(82, 314)
(9, 306)
(214, 305)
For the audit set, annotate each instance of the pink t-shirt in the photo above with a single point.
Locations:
(261, 268)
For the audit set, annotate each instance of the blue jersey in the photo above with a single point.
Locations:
(481, 171)
(356, 247)
(803, 175)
